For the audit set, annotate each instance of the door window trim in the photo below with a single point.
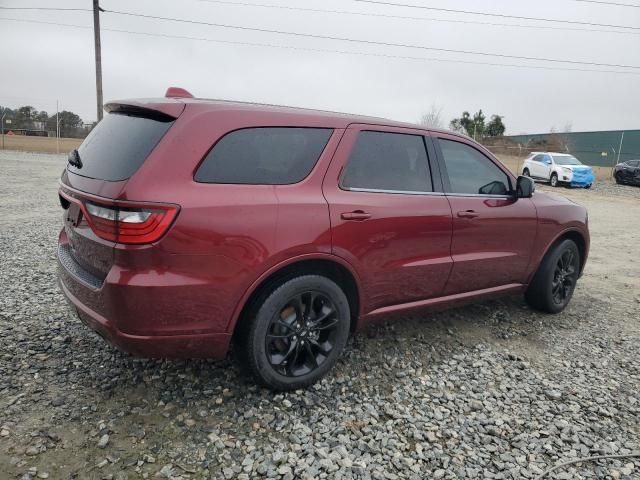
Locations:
(445, 175)
(432, 165)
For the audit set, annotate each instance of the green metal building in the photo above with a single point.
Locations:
(591, 148)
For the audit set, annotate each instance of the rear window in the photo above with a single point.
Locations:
(119, 145)
(264, 156)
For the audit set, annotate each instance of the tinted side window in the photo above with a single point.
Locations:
(264, 156)
(471, 172)
(119, 145)
(634, 164)
(538, 158)
(388, 161)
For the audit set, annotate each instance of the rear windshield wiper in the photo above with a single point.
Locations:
(74, 159)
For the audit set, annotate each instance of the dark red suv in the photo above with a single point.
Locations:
(190, 223)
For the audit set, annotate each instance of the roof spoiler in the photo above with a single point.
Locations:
(162, 110)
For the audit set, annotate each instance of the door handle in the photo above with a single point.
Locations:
(355, 215)
(468, 214)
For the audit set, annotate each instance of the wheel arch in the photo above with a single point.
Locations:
(330, 266)
(572, 234)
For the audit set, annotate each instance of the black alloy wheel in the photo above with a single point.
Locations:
(302, 335)
(294, 333)
(564, 277)
(553, 285)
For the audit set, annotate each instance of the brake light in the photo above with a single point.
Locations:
(131, 224)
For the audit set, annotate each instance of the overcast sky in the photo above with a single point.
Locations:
(40, 63)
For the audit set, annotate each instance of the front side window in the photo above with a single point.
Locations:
(471, 172)
(264, 156)
(388, 161)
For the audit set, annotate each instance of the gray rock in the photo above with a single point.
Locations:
(103, 441)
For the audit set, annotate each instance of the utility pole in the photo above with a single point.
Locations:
(620, 147)
(2, 122)
(96, 39)
(57, 128)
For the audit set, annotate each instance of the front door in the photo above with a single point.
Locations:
(493, 232)
(389, 218)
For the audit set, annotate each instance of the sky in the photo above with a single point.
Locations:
(41, 63)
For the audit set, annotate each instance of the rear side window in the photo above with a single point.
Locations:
(470, 172)
(119, 145)
(264, 156)
(388, 161)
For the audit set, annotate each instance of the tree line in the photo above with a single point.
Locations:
(475, 126)
(29, 118)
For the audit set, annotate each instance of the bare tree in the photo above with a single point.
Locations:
(568, 127)
(433, 118)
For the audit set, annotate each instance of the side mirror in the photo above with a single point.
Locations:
(525, 187)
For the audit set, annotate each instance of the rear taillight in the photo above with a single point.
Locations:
(132, 224)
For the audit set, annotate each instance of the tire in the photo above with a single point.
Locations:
(553, 181)
(588, 186)
(277, 343)
(618, 181)
(526, 172)
(554, 283)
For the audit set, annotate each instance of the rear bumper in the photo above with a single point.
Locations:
(209, 345)
(93, 304)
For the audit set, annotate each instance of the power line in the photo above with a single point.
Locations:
(309, 49)
(406, 17)
(500, 15)
(49, 9)
(369, 42)
(616, 4)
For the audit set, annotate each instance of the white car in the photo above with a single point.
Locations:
(558, 168)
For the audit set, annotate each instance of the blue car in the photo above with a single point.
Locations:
(557, 169)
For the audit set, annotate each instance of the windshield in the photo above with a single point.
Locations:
(566, 160)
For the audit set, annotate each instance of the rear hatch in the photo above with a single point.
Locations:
(95, 177)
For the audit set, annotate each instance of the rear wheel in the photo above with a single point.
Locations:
(554, 282)
(553, 181)
(296, 334)
(526, 172)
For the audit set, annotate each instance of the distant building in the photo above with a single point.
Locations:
(591, 148)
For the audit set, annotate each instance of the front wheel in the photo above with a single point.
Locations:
(553, 284)
(554, 180)
(295, 335)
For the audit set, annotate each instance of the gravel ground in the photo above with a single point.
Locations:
(492, 390)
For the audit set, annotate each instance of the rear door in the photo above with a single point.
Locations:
(389, 216)
(493, 232)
